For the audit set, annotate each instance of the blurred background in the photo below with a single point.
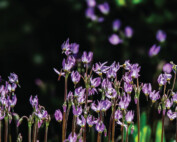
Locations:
(32, 32)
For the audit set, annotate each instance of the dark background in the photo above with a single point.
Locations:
(32, 31)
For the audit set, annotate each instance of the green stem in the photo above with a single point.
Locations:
(98, 137)
(73, 125)
(122, 133)
(6, 129)
(29, 132)
(176, 129)
(138, 119)
(34, 131)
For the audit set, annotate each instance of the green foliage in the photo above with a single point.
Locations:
(159, 132)
(137, 1)
(121, 2)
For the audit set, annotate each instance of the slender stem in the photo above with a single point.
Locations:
(109, 131)
(162, 126)
(29, 132)
(34, 131)
(138, 119)
(66, 120)
(127, 134)
(64, 113)
(99, 137)
(46, 131)
(138, 111)
(174, 82)
(113, 122)
(0, 129)
(6, 129)
(122, 133)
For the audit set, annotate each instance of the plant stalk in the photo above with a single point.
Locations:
(122, 133)
(29, 132)
(0, 129)
(127, 135)
(163, 116)
(73, 125)
(34, 131)
(113, 122)
(6, 129)
(99, 137)
(109, 131)
(138, 111)
(46, 132)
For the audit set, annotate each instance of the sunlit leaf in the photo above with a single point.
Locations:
(136, 1)
(159, 132)
(121, 2)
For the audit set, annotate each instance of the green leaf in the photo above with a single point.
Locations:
(143, 120)
(121, 2)
(159, 132)
(136, 1)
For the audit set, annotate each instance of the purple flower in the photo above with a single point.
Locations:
(59, 73)
(81, 122)
(115, 66)
(106, 84)
(77, 111)
(70, 96)
(169, 103)
(104, 8)
(167, 68)
(13, 78)
(128, 88)
(87, 58)
(100, 68)
(147, 88)
(127, 65)
(95, 107)
(111, 93)
(91, 3)
(175, 97)
(92, 91)
(71, 138)
(115, 40)
(66, 47)
(118, 115)
(68, 64)
(171, 115)
(129, 116)
(154, 96)
(41, 114)
(161, 36)
(116, 25)
(79, 91)
(135, 69)
(100, 127)
(74, 47)
(90, 13)
(127, 78)
(124, 101)
(13, 101)
(90, 120)
(95, 82)
(75, 77)
(58, 115)
(154, 50)
(167, 76)
(162, 79)
(34, 101)
(128, 32)
(106, 104)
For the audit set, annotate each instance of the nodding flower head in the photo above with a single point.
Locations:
(71, 138)
(128, 32)
(58, 115)
(95, 82)
(100, 68)
(79, 92)
(128, 88)
(175, 98)
(68, 64)
(104, 8)
(161, 36)
(87, 58)
(154, 50)
(118, 115)
(13, 78)
(127, 65)
(124, 101)
(154, 96)
(75, 77)
(169, 103)
(115, 40)
(100, 126)
(2, 113)
(147, 88)
(91, 120)
(34, 101)
(171, 115)
(41, 114)
(111, 93)
(91, 3)
(134, 72)
(116, 25)
(167, 68)
(77, 111)
(129, 116)
(81, 122)
(161, 80)
(106, 104)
